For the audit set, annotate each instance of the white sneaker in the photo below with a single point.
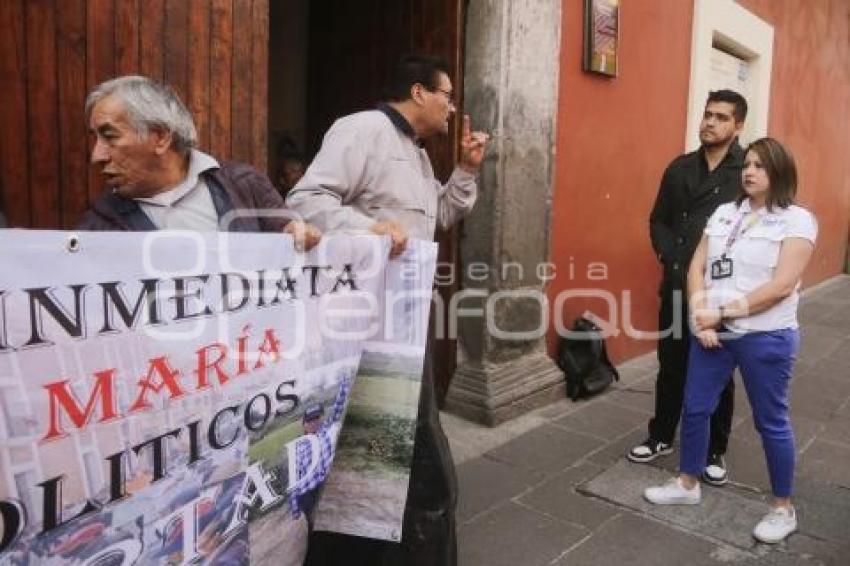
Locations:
(776, 525)
(673, 493)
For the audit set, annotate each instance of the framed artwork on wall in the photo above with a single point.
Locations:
(601, 36)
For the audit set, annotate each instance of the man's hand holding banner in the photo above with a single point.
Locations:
(175, 397)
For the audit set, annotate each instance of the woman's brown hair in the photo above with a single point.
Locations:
(781, 173)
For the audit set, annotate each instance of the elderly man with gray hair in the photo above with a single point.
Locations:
(144, 146)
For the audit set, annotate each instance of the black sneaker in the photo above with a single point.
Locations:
(649, 450)
(715, 470)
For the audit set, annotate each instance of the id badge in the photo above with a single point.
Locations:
(721, 268)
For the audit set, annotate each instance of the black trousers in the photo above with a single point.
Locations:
(672, 372)
(428, 532)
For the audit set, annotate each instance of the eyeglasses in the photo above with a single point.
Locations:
(448, 94)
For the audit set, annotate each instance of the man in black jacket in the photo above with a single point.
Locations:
(692, 187)
(144, 148)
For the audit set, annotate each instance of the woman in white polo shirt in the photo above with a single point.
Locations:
(742, 285)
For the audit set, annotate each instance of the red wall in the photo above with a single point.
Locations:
(616, 136)
(810, 112)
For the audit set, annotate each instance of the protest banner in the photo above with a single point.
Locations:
(175, 397)
(366, 491)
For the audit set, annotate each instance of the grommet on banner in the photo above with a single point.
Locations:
(73, 244)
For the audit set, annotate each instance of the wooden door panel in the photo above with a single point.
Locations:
(14, 149)
(55, 51)
(73, 133)
(42, 112)
(353, 45)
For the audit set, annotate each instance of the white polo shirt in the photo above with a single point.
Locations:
(187, 206)
(754, 255)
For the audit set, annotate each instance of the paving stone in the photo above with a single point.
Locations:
(837, 288)
(603, 419)
(806, 429)
(470, 440)
(839, 293)
(836, 321)
(669, 464)
(723, 514)
(728, 515)
(639, 366)
(804, 550)
(568, 406)
(841, 355)
(557, 496)
(825, 378)
(484, 483)
(639, 398)
(837, 427)
(799, 551)
(812, 402)
(511, 535)
(823, 510)
(818, 343)
(544, 451)
(745, 459)
(840, 299)
(828, 376)
(828, 462)
(560, 408)
(834, 370)
(640, 541)
(613, 452)
(814, 312)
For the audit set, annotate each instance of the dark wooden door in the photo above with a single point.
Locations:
(352, 47)
(213, 52)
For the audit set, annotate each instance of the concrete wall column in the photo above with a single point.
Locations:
(510, 90)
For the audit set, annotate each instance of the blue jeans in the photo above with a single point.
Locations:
(765, 360)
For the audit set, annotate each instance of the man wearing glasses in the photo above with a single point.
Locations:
(372, 174)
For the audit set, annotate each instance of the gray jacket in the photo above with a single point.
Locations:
(369, 170)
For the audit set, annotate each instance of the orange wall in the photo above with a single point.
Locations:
(810, 112)
(616, 136)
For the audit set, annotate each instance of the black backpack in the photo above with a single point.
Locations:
(584, 360)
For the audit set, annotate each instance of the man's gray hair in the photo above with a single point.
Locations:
(149, 105)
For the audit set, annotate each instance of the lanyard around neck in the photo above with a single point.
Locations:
(740, 229)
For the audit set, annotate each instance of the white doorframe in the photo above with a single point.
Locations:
(729, 26)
